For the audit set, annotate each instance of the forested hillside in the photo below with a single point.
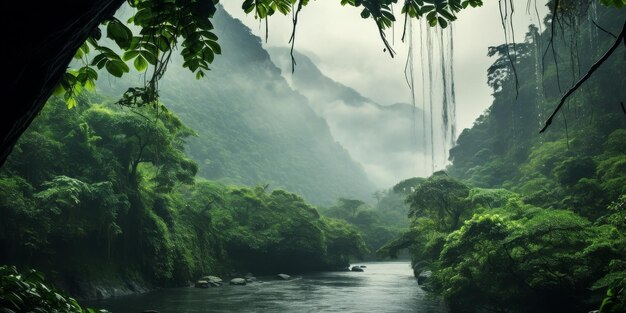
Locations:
(252, 128)
(530, 222)
(105, 201)
(580, 161)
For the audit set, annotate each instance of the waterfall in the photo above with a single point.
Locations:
(444, 93)
(438, 98)
(452, 89)
(430, 59)
(423, 103)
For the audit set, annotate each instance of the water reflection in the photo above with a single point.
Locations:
(383, 287)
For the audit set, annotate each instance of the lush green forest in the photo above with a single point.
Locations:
(378, 223)
(529, 222)
(251, 127)
(110, 199)
(101, 196)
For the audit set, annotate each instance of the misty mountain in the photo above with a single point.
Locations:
(383, 138)
(253, 128)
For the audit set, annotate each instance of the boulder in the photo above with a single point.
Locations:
(362, 266)
(213, 280)
(238, 281)
(423, 277)
(283, 276)
(357, 269)
(202, 284)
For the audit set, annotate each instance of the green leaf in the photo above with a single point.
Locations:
(149, 57)
(215, 47)
(121, 34)
(70, 102)
(140, 63)
(365, 13)
(442, 22)
(129, 55)
(427, 8)
(117, 68)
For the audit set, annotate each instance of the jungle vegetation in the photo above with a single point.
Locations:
(528, 222)
(101, 193)
(520, 222)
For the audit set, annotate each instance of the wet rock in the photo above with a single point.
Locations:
(283, 276)
(357, 269)
(214, 281)
(238, 281)
(423, 277)
(202, 284)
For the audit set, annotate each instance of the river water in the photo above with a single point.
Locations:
(382, 287)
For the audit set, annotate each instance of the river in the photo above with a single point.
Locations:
(382, 287)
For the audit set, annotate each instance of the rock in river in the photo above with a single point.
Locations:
(238, 281)
(357, 269)
(202, 284)
(213, 280)
(283, 276)
(423, 277)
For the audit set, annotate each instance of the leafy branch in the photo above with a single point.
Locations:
(167, 25)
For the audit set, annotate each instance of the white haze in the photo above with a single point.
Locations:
(347, 48)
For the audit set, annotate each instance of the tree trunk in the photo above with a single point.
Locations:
(37, 54)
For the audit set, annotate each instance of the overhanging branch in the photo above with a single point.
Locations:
(620, 39)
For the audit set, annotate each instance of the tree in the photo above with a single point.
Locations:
(65, 29)
(440, 198)
(512, 260)
(144, 137)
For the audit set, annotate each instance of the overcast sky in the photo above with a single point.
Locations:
(347, 48)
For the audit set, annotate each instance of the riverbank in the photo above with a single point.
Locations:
(103, 285)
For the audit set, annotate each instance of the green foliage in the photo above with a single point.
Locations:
(615, 3)
(579, 164)
(511, 256)
(28, 292)
(251, 132)
(378, 224)
(120, 201)
(269, 232)
(164, 26)
(537, 259)
(343, 241)
(407, 186)
(440, 198)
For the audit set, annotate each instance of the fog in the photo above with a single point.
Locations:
(346, 49)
